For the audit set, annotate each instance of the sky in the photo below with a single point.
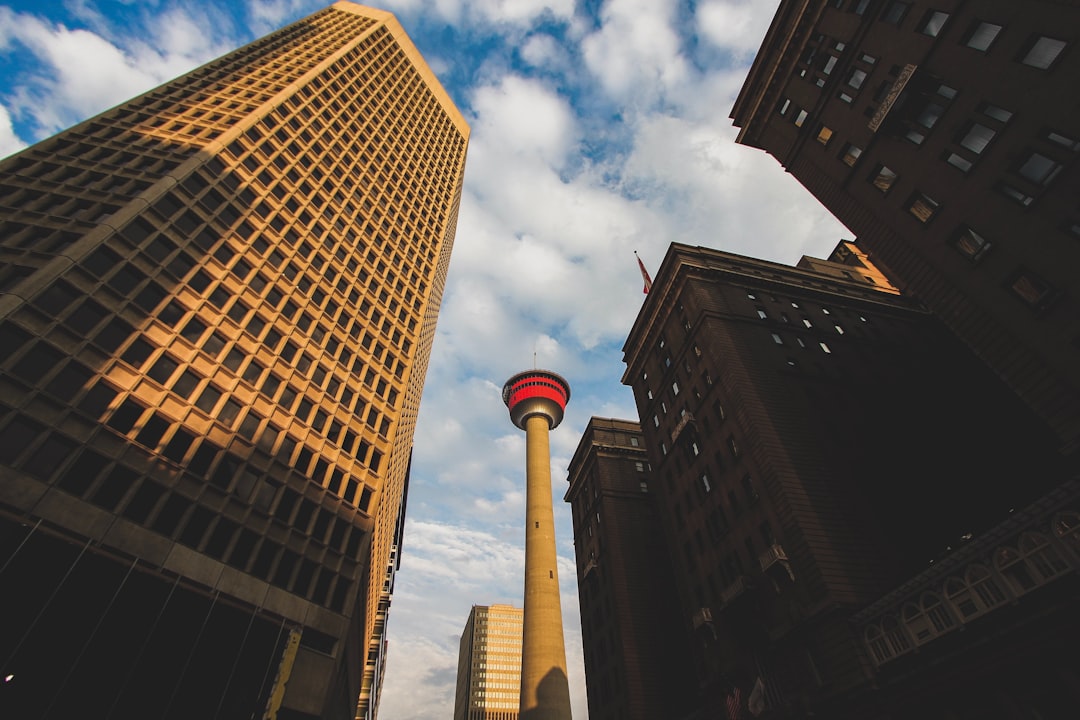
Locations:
(599, 128)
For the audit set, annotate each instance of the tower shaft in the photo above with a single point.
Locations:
(545, 694)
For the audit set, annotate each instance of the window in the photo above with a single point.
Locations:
(784, 106)
(982, 35)
(777, 339)
(1039, 169)
(762, 314)
(1042, 52)
(675, 388)
(1035, 292)
(883, 178)
(896, 12)
(971, 244)
(706, 485)
(996, 113)
(1016, 194)
(923, 207)
(824, 135)
(850, 154)
(856, 78)
(977, 137)
(825, 348)
(800, 118)
(933, 23)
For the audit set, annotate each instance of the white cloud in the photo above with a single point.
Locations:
(9, 141)
(735, 25)
(636, 53)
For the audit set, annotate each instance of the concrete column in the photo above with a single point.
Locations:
(545, 694)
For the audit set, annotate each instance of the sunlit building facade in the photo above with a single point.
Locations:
(217, 304)
(489, 664)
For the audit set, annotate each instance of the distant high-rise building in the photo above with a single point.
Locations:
(638, 659)
(836, 475)
(945, 137)
(218, 303)
(489, 664)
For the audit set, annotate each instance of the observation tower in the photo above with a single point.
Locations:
(536, 399)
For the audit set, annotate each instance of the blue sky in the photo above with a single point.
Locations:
(599, 127)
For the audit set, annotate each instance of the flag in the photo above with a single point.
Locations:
(644, 274)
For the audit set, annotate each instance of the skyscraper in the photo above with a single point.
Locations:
(536, 400)
(489, 664)
(831, 464)
(943, 136)
(638, 660)
(218, 303)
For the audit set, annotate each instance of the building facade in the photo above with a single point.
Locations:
(489, 664)
(941, 132)
(217, 303)
(818, 440)
(629, 617)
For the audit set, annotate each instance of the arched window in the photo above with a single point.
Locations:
(963, 599)
(1015, 570)
(938, 613)
(896, 635)
(877, 645)
(986, 587)
(1043, 556)
(1066, 528)
(917, 623)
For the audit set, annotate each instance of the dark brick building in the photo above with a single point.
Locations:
(944, 134)
(637, 660)
(818, 441)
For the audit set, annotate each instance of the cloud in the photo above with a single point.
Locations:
(636, 53)
(81, 72)
(736, 26)
(9, 141)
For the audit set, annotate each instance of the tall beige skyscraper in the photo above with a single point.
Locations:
(536, 400)
(489, 664)
(217, 303)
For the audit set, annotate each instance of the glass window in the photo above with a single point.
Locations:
(1039, 169)
(982, 36)
(824, 135)
(850, 154)
(933, 23)
(896, 12)
(930, 114)
(995, 112)
(883, 178)
(1043, 52)
(958, 161)
(857, 78)
(977, 138)
(1031, 289)
(923, 207)
(800, 118)
(971, 244)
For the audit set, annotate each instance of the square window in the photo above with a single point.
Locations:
(1043, 52)
(824, 135)
(896, 12)
(933, 23)
(850, 154)
(977, 138)
(1035, 292)
(982, 36)
(971, 244)
(856, 78)
(883, 178)
(1039, 169)
(923, 207)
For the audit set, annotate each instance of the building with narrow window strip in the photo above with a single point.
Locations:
(217, 304)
